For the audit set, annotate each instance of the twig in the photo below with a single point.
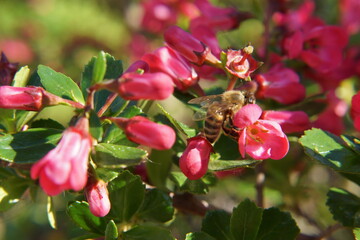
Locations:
(259, 185)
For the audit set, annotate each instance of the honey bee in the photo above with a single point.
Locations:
(220, 109)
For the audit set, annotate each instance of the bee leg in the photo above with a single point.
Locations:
(230, 130)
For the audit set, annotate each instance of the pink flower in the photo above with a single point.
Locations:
(324, 47)
(331, 118)
(136, 86)
(281, 84)
(217, 18)
(355, 110)
(65, 167)
(135, 66)
(7, 70)
(330, 80)
(320, 47)
(158, 15)
(187, 45)
(240, 63)
(97, 196)
(145, 132)
(168, 61)
(290, 121)
(295, 19)
(350, 18)
(260, 139)
(207, 36)
(195, 159)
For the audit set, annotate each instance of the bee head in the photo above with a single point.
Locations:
(249, 98)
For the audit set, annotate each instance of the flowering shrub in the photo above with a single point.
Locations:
(129, 163)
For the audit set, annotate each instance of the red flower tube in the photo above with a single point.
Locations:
(65, 167)
(145, 132)
(195, 159)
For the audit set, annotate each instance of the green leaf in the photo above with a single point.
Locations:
(87, 237)
(28, 146)
(126, 195)
(276, 225)
(96, 129)
(147, 232)
(80, 213)
(11, 190)
(47, 123)
(356, 232)
(21, 77)
(106, 175)
(131, 111)
(220, 165)
(188, 132)
(217, 224)
(111, 155)
(344, 206)
(184, 184)
(198, 236)
(158, 167)
(111, 232)
(59, 84)
(157, 206)
(331, 151)
(245, 220)
(113, 70)
(99, 68)
(51, 212)
(227, 148)
(352, 142)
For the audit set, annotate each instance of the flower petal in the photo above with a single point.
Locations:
(247, 115)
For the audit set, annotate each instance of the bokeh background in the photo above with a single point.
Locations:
(65, 34)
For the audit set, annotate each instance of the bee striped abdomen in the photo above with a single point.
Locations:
(213, 123)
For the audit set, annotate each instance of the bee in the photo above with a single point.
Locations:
(220, 109)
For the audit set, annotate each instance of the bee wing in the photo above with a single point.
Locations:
(200, 115)
(205, 101)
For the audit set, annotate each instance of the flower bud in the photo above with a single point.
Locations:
(186, 44)
(195, 159)
(21, 98)
(30, 98)
(136, 86)
(97, 196)
(145, 132)
(168, 61)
